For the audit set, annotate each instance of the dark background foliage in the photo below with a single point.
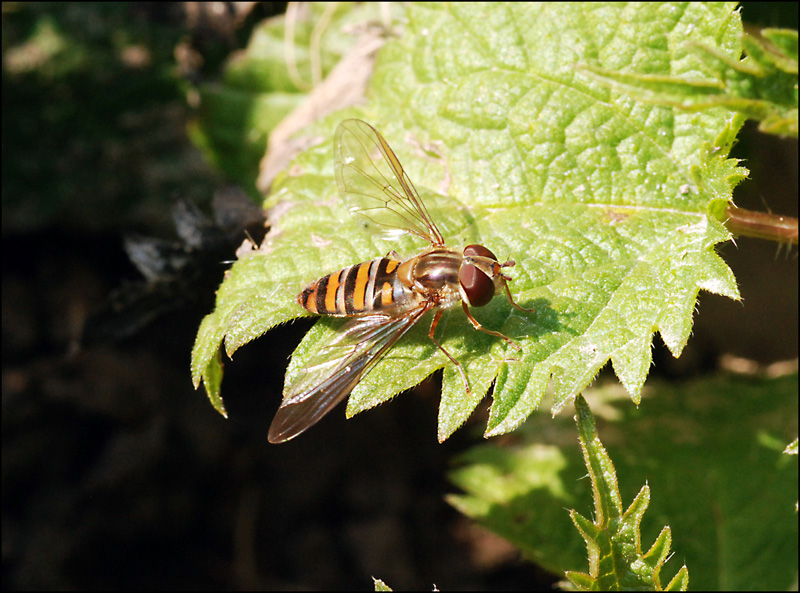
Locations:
(116, 473)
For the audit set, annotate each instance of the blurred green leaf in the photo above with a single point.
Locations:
(265, 82)
(711, 453)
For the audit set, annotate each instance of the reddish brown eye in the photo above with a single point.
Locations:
(479, 250)
(478, 287)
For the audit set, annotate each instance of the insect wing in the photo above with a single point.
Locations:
(373, 183)
(336, 368)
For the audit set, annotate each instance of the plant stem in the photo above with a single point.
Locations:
(761, 225)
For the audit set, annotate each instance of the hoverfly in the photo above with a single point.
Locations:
(385, 297)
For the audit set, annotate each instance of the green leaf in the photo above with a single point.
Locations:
(763, 86)
(711, 453)
(609, 205)
(613, 539)
(206, 353)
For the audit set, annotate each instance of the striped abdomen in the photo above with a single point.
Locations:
(365, 287)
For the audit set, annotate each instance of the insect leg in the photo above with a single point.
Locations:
(505, 280)
(514, 304)
(478, 326)
(453, 360)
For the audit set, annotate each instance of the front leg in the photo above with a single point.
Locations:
(476, 324)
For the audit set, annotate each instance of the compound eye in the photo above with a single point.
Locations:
(480, 251)
(478, 287)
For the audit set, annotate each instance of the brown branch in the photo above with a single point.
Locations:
(761, 225)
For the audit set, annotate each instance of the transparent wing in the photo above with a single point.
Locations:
(373, 183)
(336, 368)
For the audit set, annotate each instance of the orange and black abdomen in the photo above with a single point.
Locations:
(355, 290)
